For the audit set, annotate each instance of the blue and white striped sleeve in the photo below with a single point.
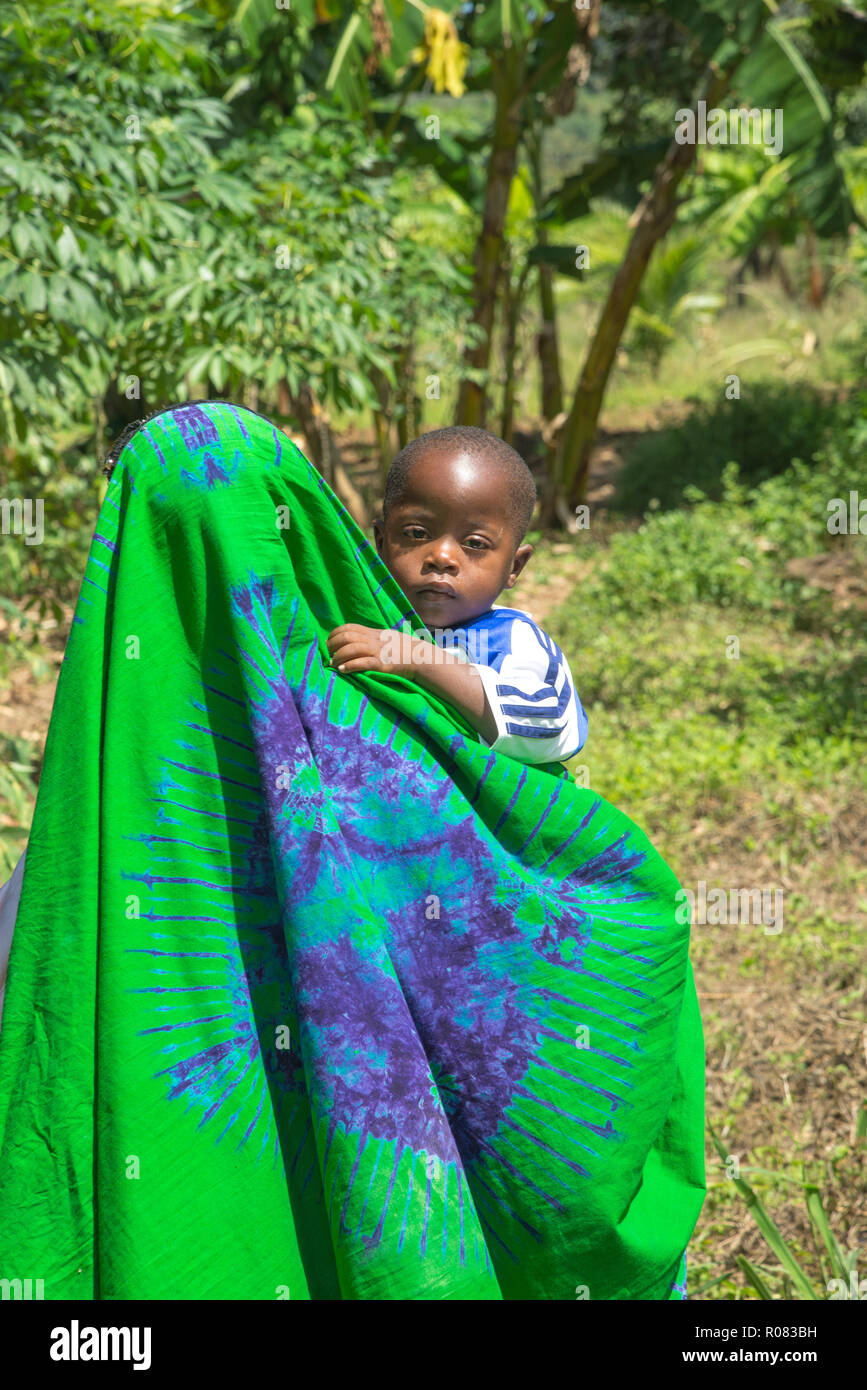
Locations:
(533, 699)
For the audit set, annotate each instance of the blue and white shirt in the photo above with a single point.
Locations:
(527, 681)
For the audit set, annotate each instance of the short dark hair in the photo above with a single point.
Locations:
(519, 484)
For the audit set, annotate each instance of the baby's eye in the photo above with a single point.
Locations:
(420, 532)
(479, 543)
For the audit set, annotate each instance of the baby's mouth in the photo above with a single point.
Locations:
(436, 590)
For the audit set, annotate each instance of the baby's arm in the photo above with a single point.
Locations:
(529, 709)
(458, 682)
(443, 672)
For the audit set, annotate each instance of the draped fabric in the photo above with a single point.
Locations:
(311, 994)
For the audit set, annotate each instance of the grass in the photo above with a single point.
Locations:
(681, 732)
(737, 795)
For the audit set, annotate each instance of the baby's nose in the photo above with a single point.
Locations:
(445, 552)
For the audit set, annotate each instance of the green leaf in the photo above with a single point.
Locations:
(218, 371)
(197, 368)
(819, 1218)
(21, 237)
(33, 291)
(754, 1277)
(341, 51)
(66, 247)
(612, 172)
(449, 156)
(360, 388)
(562, 258)
(177, 296)
(779, 35)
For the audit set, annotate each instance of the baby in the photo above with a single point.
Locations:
(457, 506)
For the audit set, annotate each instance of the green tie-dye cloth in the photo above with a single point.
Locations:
(311, 994)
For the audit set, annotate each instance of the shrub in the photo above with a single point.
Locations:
(762, 432)
(734, 551)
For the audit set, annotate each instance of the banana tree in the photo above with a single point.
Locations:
(513, 52)
(753, 60)
(528, 55)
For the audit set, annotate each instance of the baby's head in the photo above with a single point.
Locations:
(457, 506)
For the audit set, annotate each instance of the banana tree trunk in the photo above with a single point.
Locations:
(406, 393)
(509, 96)
(547, 344)
(650, 222)
(381, 417)
(383, 452)
(778, 265)
(513, 304)
(551, 381)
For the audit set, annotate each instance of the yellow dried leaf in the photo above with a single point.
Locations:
(446, 55)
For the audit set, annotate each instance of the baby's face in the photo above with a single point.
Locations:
(450, 530)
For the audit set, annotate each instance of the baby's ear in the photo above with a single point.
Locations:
(522, 557)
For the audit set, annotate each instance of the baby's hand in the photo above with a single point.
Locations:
(357, 648)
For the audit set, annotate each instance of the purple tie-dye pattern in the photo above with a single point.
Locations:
(375, 1052)
(380, 1029)
(210, 472)
(249, 980)
(196, 427)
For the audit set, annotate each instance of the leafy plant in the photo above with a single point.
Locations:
(840, 1263)
(674, 297)
(771, 424)
(164, 236)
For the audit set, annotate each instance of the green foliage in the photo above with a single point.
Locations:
(156, 237)
(728, 553)
(838, 1266)
(765, 429)
(684, 726)
(84, 210)
(777, 75)
(51, 569)
(674, 297)
(741, 195)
